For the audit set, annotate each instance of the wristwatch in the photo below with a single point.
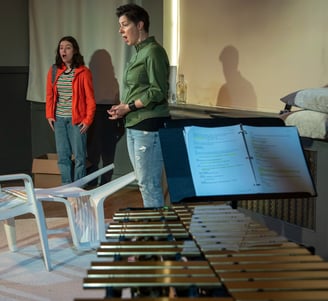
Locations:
(132, 106)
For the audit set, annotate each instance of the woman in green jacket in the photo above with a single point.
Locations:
(144, 101)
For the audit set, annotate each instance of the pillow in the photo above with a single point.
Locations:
(310, 124)
(315, 99)
(290, 98)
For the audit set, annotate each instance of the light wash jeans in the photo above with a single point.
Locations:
(145, 153)
(70, 141)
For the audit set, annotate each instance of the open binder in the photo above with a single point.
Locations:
(225, 160)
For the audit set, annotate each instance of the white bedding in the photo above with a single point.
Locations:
(309, 123)
(311, 114)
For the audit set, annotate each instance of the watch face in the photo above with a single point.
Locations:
(132, 106)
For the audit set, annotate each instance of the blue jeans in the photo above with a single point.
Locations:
(145, 153)
(70, 141)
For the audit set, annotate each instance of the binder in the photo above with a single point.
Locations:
(193, 179)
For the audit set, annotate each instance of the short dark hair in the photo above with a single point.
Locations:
(77, 59)
(135, 13)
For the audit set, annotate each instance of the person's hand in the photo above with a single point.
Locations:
(112, 112)
(51, 123)
(118, 111)
(83, 127)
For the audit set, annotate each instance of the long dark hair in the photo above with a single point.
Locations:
(77, 59)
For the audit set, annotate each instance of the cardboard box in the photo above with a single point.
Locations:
(45, 171)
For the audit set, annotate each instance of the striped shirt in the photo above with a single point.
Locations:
(64, 101)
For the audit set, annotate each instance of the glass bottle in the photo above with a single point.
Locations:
(181, 90)
(173, 84)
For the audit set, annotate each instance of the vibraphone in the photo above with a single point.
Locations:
(207, 252)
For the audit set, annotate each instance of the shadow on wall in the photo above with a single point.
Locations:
(103, 134)
(237, 91)
(104, 81)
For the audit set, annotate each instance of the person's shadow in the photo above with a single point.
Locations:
(103, 134)
(104, 81)
(237, 91)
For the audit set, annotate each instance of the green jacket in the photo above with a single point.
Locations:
(146, 77)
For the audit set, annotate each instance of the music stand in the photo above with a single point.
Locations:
(178, 173)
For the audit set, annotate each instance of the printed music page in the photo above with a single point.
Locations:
(278, 159)
(218, 160)
(233, 160)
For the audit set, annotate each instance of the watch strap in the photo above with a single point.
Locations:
(132, 106)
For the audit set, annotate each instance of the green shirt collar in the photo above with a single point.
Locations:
(145, 43)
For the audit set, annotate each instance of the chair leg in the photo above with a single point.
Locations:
(72, 224)
(100, 220)
(10, 230)
(43, 233)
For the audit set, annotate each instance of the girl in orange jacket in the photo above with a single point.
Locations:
(70, 108)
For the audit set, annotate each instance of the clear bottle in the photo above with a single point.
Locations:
(181, 90)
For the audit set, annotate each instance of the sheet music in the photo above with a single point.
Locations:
(239, 159)
(218, 160)
(278, 159)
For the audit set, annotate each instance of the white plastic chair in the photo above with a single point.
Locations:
(85, 180)
(72, 194)
(94, 198)
(12, 206)
(100, 194)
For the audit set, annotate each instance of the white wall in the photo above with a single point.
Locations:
(282, 46)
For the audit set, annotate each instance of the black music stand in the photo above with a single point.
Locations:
(178, 173)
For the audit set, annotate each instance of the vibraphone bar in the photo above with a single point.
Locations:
(161, 299)
(152, 229)
(250, 244)
(149, 236)
(208, 252)
(134, 214)
(165, 249)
